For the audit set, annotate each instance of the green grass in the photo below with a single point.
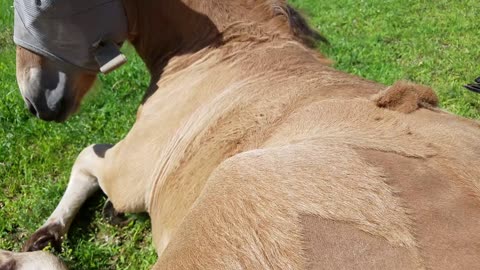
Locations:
(36, 157)
(429, 42)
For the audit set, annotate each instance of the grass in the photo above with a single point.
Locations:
(429, 42)
(36, 157)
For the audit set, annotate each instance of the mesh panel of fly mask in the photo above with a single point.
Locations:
(84, 33)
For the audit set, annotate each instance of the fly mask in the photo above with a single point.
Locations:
(84, 33)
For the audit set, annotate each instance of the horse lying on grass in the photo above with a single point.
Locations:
(250, 152)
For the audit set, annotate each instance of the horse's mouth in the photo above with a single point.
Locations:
(59, 115)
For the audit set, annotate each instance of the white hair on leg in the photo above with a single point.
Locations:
(83, 183)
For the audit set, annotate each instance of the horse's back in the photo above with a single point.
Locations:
(379, 190)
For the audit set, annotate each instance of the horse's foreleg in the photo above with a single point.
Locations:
(83, 183)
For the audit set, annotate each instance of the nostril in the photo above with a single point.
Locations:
(30, 107)
(44, 112)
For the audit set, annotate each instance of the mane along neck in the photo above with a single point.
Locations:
(162, 29)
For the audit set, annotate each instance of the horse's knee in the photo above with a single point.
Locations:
(90, 164)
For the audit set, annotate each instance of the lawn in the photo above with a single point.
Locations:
(429, 42)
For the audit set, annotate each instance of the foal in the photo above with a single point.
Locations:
(250, 152)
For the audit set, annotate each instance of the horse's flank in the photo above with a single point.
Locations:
(264, 94)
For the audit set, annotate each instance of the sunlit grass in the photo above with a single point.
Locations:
(430, 42)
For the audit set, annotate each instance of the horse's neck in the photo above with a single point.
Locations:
(167, 28)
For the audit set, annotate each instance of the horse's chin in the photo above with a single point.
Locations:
(64, 111)
(67, 112)
(62, 118)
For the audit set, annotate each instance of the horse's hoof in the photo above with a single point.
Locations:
(114, 217)
(45, 236)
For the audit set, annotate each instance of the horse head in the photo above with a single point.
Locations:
(61, 47)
